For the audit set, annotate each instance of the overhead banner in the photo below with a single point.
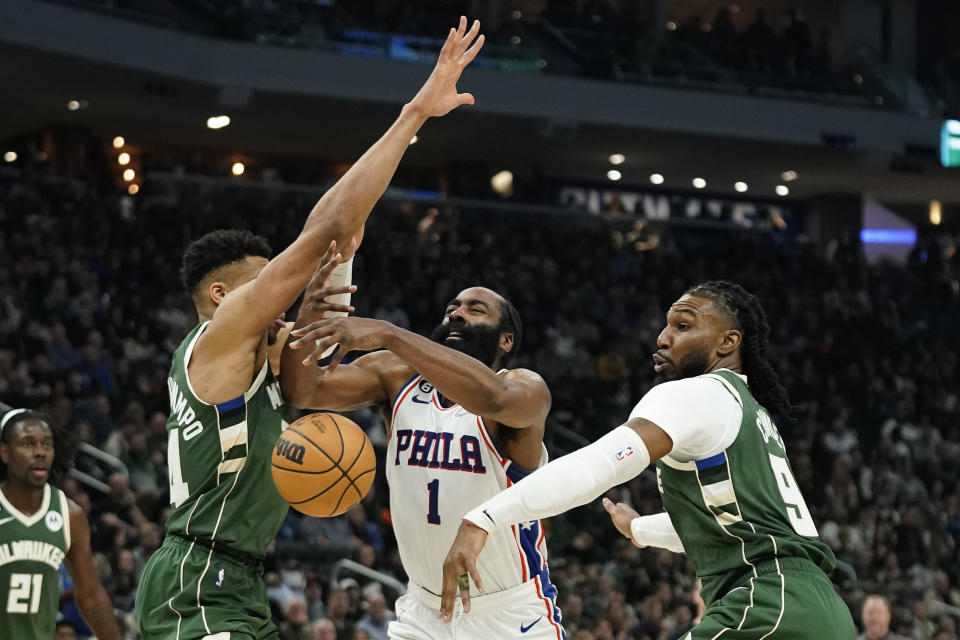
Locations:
(676, 207)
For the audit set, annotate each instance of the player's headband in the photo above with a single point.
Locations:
(8, 415)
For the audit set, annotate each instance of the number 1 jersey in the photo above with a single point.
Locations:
(441, 462)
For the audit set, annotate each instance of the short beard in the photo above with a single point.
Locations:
(690, 366)
(477, 341)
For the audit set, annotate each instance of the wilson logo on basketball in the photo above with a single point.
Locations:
(291, 450)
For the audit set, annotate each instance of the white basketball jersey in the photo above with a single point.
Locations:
(441, 463)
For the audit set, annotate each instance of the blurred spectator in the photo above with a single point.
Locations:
(297, 624)
(324, 629)
(377, 618)
(876, 619)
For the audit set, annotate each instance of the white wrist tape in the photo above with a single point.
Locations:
(656, 531)
(341, 276)
(567, 482)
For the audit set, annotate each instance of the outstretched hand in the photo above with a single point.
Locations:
(439, 96)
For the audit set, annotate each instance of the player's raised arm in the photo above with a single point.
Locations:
(92, 599)
(342, 211)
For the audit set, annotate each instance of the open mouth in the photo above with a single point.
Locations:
(453, 336)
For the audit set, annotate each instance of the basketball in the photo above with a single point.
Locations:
(323, 464)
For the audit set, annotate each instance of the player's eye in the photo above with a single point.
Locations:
(683, 326)
(478, 310)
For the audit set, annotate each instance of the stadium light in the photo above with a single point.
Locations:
(617, 159)
(740, 186)
(699, 183)
(789, 176)
(237, 169)
(782, 190)
(10, 156)
(123, 158)
(133, 189)
(502, 182)
(614, 175)
(73, 105)
(118, 142)
(129, 174)
(936, 215)
(218, 122)
(656, 178)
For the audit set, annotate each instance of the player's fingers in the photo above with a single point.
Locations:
(608, 505)
(335, 291)
(472, 568)
(462, 27)
(319, 349)
(448, 45)
(472, 52)
(316, 325)
(465, 98)
(468, 38)
(448, 596)
(463, 584)
(328, 307)
(334, 361)
(310, 336)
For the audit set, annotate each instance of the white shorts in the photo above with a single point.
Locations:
(526, 611)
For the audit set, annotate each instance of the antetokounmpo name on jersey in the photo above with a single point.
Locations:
(436, 450)
(31, 550)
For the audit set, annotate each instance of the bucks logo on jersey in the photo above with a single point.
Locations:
(741, 506)
(32, 548)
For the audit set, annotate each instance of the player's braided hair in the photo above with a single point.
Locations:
(745, 313)
(63, 444)
(218, 249)
(510, 322)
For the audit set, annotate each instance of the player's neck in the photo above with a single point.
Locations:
(25, 498)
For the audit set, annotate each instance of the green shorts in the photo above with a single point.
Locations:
(792, 601)
(190, 592)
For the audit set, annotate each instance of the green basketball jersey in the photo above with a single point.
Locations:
(742, 506)
(32, 548)
(221, 490)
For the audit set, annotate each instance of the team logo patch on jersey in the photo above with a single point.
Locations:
(219, 581)
(623, 453)
(54, 521)
(425, 387)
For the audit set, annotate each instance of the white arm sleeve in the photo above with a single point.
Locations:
(701, 415)
(341, 276)
(567, 482)
(656, 531)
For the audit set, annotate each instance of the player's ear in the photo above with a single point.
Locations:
(506, 341)
(217, 291)
(4, 452)
(729, 342)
